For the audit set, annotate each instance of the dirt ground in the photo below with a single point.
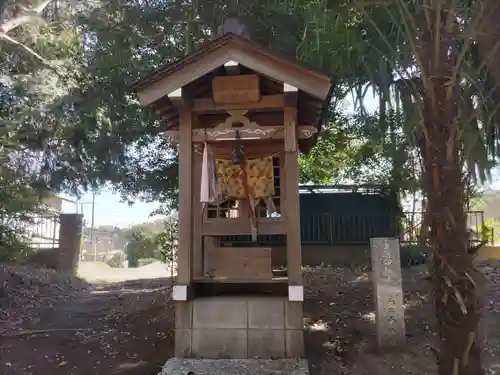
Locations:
(59, 326)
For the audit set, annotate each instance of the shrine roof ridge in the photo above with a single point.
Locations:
(152, 77)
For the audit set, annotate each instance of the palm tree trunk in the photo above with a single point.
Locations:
(454, 276)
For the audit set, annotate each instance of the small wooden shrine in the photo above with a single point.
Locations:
(240, 114)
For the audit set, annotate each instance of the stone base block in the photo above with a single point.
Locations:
(219, 343)
(239, 327)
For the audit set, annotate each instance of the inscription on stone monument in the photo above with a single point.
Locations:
(388, 289)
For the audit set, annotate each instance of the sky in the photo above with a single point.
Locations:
(109, 210)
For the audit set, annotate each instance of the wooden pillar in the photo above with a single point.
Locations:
(292, 206)
(209, 243)
(185, 197)
(197, 215)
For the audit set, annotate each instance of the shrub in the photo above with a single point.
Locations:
(413, 255)
(115, 260)
(12, 245)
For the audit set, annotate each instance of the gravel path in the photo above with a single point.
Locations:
(94, 272)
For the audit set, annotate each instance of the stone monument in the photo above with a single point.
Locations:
(388, 291)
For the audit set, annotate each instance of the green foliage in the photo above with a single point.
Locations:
(155, 240)
(413, 255)
(115, 260)
(332, 157)
(140, 245)
(88, 128)
(354, 148)
(12, 246)
(70, 120)
(84, 126)
(17, 202)
(168, 240)
(29, 85)
(490, 231)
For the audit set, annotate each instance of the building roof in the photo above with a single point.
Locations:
(194, 73)
(235, 44)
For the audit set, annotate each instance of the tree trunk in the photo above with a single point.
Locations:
(487, 41)
(454, 277)
(3, 8)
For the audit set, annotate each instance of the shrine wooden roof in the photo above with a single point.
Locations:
(194, 73)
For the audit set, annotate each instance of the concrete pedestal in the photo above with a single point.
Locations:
(177, 366)
(239, 327)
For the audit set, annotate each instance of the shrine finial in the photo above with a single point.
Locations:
(235, 26)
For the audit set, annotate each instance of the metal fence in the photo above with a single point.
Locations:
(411, 227)
(358, 228)
(331, 229)
(43, 230)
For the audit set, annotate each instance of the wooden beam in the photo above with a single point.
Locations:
(165, 106)
(252, 149)
(292, 203)
(207, 105)
(289, 88)
(281, 70)
(159, 89)
(169, 116)
(199, 135)
(167, 112)
(232, 68)
(290, 117)
(211, 280)
(261, 118)
(291, 94)
(241, 226)
(185, 198)
(176, 98)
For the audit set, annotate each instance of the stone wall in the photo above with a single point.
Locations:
(351, 255)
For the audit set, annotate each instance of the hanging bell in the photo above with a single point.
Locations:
(238, 156)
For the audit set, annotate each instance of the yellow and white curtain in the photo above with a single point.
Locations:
(251, 181)
(257, 175)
